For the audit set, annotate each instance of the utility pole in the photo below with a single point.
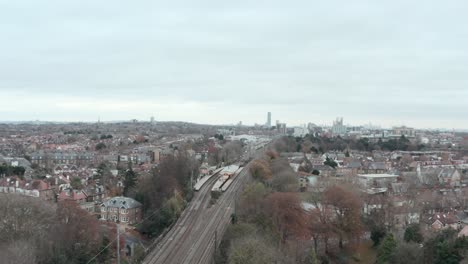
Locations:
(191, 180)
(118, 244)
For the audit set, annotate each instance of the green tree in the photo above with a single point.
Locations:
(408, 253)
(19, 170)
(7, 170)
(129, 181)
(445, 247)
(314, 149)
(413, 234)
(76, 183)
(377, 233)
(330, 163)
(446, 254)
(386, 250)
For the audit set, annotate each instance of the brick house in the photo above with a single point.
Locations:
(440, 221)
(121, 209)
(74, 195)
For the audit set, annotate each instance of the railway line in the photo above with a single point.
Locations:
(192, 239)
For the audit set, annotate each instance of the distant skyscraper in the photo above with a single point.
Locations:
(281, 128)
(268, 123)
(152, 120)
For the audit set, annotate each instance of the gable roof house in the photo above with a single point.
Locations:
(46, 192)
(428, 176)
(449, 176)
(350, 168)
(95, 193)
(445, 176)
(375, 168)
(121, 209)
(75, 195)
(439, 221)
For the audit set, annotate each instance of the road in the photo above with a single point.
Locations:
(201, 225)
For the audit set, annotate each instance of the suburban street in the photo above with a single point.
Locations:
(192, 238)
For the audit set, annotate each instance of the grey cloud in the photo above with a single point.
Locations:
(335, 57)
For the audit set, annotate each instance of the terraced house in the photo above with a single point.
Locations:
(42, 158)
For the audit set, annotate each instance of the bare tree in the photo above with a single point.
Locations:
(287, 215)
(18, 252)
(251, 250)
(231, 151)
(347, 212)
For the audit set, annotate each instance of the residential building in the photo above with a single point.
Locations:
(440, 221)
(42, 158)
(370, 181)
(121, 209)
(78, 196)
(448, 176)
(403, 131)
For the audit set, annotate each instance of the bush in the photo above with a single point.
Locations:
(100, 146)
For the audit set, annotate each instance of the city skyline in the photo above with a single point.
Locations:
(304, 123)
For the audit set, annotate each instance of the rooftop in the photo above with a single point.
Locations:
(383, 175)
(123, 202)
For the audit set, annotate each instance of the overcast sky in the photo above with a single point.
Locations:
(210, 61)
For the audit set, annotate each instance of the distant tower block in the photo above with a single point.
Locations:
(268, 123)
(152, 120)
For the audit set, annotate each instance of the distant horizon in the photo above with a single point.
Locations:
(377, 126)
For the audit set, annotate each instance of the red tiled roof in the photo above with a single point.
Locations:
(444, 218)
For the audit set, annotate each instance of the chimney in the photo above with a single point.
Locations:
(17, 183)
(56, 181)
